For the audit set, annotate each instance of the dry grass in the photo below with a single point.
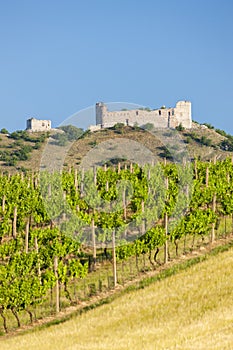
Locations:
(190, 310)
(77, 150)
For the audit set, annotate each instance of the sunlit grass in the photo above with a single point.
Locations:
(190, 310)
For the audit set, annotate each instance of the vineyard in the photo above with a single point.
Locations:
(66, 236)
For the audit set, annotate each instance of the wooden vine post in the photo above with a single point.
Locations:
(82, 184)
(143, 219)
(57, 284)
(207, 177)
(131, 168)
(37, 251)
(27, 235)
(114, 259)
(119, 168)
(124, 209)
(213, 224)
(14, 222)
(64, 201)
(166, 229)
(124, 205)
(93, 242)
(76, 179)
(195, 169)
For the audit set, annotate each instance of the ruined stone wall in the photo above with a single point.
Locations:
(161, 118)
(38, 125)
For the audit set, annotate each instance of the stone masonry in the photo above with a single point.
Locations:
(161, 118)
(35, 125)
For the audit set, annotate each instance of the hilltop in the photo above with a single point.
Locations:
(22, 151)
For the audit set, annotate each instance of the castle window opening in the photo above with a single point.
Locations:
(136, 112)
(159, 112)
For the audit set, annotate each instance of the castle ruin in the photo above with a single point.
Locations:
(35, 125)
(161, 118)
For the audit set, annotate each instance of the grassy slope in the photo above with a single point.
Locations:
(80, 148)
(190, 310)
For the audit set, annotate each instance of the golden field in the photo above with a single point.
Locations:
(190, 310)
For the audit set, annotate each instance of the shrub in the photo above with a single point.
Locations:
(221, 132)
(226, 145)
(73, 133)
(118, 126)
(37, 145)
(4, 131)
(62, 139)
(11, 161)
(188, 139)
(148, 126)
(209, 126)
(180, 127)
(205, 141)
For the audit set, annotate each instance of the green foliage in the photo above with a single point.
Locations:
(144, 109)
(62, 139)
(70, 133)
(85, 134)
(118, 126)
(136, 126)
(4, 131)
(166, 153)
(180, 127)
(209, 126)
(205, 141)
(221, 132)
(185, 198)
(227, 145)
(19, 134)
(148, 126)
(20, 150)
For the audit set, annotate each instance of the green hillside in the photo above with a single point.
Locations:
(21, 151)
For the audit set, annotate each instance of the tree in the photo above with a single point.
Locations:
(72, 132)
(4, 131)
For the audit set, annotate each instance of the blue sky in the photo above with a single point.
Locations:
(60, 56)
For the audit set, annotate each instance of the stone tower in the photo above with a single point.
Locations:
(101, 111)
(183, 113)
